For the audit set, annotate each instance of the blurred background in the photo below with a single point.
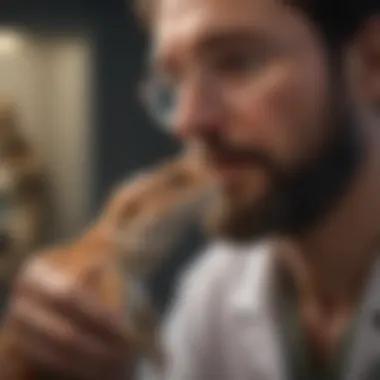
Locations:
(70, 124)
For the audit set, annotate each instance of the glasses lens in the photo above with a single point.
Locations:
(159, 97)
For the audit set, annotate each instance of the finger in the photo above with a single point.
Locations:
(46, 328)
(48, 358)
(49, 287)
(42, 275)
(40, 280)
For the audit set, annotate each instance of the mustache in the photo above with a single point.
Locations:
(222, 151)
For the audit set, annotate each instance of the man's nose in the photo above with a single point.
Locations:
(200, 109)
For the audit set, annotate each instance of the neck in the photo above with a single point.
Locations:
(331, 261)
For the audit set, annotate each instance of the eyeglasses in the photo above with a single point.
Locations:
(232, 67)
(159, 99)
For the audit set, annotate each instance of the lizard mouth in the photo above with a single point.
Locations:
(148, 240)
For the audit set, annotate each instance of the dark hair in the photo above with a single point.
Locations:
(337, 20)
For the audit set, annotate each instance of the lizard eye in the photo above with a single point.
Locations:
(179, 180)
(129, 211)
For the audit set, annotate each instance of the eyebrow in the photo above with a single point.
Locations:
(215, 41)
(223, 38)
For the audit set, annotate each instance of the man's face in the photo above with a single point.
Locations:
(251, 88)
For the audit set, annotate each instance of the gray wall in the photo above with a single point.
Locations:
(48, 79)
(123, 138)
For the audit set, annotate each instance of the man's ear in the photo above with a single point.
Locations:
(364, 65)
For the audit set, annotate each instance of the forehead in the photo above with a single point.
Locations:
(184, 23)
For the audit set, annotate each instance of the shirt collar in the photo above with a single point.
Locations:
(253, 291)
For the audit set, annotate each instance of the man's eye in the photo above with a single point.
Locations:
(237, 63)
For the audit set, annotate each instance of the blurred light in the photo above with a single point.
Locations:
(10, 42)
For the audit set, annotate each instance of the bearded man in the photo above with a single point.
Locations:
(265, 88)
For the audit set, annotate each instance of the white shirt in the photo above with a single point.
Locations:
(221, 325)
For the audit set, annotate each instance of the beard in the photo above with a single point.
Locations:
(376, 111)
(296, 202)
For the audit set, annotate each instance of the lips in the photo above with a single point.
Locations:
(227, 159)
(229, 170)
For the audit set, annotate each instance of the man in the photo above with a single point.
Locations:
(262, 86)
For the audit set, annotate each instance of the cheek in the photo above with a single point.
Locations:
(263, 115)
(302, 103)
(279, 112)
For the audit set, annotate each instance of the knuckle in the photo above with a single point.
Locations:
(65, 293)
(30, 274)
(42, 276)
(56, 281)
(23, 278)
(30, 267)
(65, 335)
